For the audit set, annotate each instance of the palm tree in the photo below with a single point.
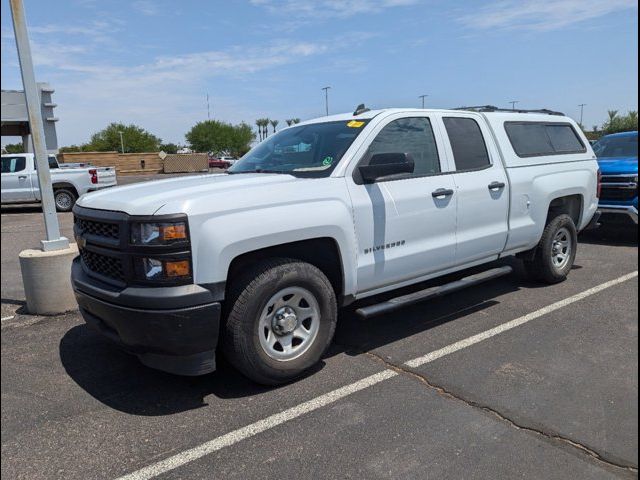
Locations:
(259, 125)
(289, 121)
(274, 124)
(295, 120)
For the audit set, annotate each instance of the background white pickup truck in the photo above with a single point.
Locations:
(20, 180)
(322, 214)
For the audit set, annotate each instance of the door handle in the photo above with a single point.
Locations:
(496, 185)
(442, 192)
(22, 177)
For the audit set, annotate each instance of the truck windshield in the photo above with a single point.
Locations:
(626, 146)
(311, 150)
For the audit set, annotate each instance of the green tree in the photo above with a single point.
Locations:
(274, 124)
(14, 148)
(259, 127)
(617, 123)
(169, 147)
(264, 127)
(215, 136)
(73, 148)
(134, 138)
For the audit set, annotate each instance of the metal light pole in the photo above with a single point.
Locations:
(422, 97)
(326, 99)
(54, 240)
(581, 112)
(208, 110)
(513, 104)
(121, 141)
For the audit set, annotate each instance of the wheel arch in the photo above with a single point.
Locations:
(322, 252)
(67, 186)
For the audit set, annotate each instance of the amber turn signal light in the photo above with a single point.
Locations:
(177, 269)
(176, 231)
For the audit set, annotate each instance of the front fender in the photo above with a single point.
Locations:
(225, 236)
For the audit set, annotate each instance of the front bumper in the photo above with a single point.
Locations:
(174, 329)
(629, 210)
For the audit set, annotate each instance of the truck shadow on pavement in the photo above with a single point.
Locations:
(615, 234)
(121, 382)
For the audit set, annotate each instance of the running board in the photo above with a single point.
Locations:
(433, 292)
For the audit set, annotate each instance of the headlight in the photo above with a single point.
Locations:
(164, 233)
(157, 269)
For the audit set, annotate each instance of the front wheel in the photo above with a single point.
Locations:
(64, 199)
(281, 319)
(556, 252)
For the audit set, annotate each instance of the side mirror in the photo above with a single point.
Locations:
(386, 164)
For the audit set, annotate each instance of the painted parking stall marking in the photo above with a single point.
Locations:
(280, 418)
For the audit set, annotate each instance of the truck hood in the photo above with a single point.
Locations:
(618, 165)
(181, 194)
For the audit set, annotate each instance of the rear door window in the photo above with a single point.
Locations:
(532, 139)
(467, 143)
(13, 164)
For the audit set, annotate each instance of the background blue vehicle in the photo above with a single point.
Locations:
(618, 158)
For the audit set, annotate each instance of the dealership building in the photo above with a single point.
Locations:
(15, 121)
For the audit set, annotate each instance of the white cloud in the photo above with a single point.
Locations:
(165, 95)
(323, 9)
(541, 14)
(146, 7)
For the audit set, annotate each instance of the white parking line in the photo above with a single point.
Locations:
(272, 421)
(7, 318)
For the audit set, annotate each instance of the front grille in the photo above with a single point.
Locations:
(100, 229)
(619, 187)
(618, 179)
(103, 264)
(615, 193)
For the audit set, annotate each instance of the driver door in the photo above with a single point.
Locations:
(405, 225)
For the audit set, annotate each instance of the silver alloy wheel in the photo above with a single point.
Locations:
(63, 200)
(289, 323)
(561, 248)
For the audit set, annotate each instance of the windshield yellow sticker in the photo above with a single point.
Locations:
(355, 124)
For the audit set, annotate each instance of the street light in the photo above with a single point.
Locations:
(326, 99)
(581, 112)
(422, 97)
(513, 104)
(121, 141)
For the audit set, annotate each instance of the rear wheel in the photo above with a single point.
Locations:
(556, 252)
(281, 319)
(64, 199)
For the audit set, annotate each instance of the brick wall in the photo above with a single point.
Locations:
(126, 164)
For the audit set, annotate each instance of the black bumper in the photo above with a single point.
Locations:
(174, 329)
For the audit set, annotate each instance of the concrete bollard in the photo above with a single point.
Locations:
(46, 279)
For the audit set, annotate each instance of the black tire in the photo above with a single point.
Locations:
(64, 199)
(542, 267)
(247, 301)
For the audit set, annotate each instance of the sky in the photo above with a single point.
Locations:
(153, 63)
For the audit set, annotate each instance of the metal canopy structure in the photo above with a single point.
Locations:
(15, 120)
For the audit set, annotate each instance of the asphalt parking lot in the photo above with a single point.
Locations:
(506, 380)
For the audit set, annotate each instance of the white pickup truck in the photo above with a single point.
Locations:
(20, 180)
(256, 261)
